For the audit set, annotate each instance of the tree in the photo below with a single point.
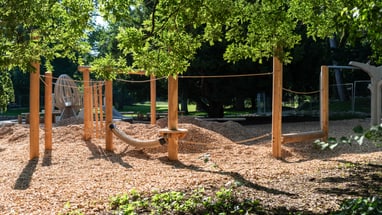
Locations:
(34, 30)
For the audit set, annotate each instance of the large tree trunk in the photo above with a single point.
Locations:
(337, 72)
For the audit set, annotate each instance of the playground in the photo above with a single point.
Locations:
(81, 175)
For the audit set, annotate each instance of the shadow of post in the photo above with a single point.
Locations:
(25, 177)
(47, 160)
(100, 153)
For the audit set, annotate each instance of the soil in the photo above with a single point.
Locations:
(84, 175)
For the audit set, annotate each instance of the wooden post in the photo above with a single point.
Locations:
(96, 109)
(87, 102)
(324, 109)
(109, 114)
(100, 107)
(153, 100)
(172, 117)
(34, 106)
(277, 107)
(48, 111)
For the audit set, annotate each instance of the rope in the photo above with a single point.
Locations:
(237, 142)
(143, 81)
(224, 76)
(254, 138)
(301, 93)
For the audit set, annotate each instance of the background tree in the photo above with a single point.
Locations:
(41, 30)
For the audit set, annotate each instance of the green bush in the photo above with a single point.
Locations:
(364, 206)
(173, 202)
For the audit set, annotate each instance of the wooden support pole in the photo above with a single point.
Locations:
(109, 114)
(87, 102)
(172, 103)
(100, 107)
(153, 100)
(96, 109)
(172, 117)
(277, 107)
(324, 109)
(48, 111)
(34, 106)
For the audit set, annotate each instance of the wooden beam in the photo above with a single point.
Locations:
(303, 136)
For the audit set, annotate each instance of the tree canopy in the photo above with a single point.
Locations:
(162, 37)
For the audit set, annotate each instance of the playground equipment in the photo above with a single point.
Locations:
(278, 137)
(135, 142)
(375, 87)
(67, 97)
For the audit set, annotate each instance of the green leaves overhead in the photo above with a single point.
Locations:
(47, 29)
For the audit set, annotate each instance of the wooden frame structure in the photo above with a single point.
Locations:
(278, 138)
(173, 133)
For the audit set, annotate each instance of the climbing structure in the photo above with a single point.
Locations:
(67, 97)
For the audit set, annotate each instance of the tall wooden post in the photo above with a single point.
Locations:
(48, 111)
(324, 115)
(88, 125)
(101, 107)
(34, 106)
(96, 109)
(109, 114)
(277, 107)
(153, 100)
(172, 134)
(173, 117)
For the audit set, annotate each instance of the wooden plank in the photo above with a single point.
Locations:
(303, 136)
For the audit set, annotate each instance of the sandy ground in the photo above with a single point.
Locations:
(212, 155)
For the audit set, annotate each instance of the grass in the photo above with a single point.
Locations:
(14, 111)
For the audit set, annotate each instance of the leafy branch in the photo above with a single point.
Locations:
(374, 134)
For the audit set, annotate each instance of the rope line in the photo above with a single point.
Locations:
(237, 142)
(143, 81)
(223, 76)
(91, 82)
(301, 93)
(254, 138)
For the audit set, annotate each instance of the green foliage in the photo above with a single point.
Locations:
(374, 134)
(6, 91)
(31, 30)
(366, 206)
(174, 202)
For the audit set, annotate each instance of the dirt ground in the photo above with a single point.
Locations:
(212, 155)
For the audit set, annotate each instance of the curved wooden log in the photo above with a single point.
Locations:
(135, 142)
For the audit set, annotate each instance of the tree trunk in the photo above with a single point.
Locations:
(337, 72)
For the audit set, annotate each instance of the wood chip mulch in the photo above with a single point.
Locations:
(212, 155)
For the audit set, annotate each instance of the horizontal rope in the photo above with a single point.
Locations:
(142, 81)
(224, 76)
(301, 93)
